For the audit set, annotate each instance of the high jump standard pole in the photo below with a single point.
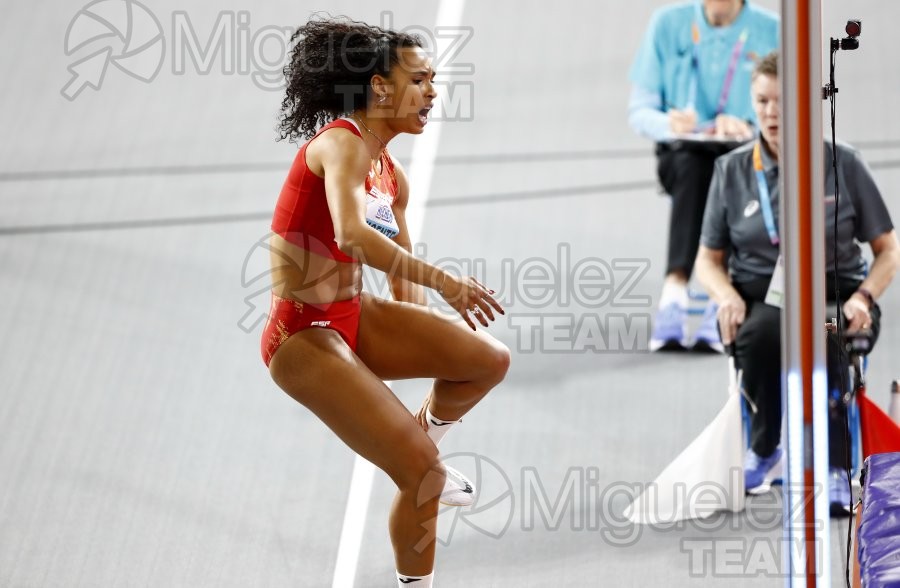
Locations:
(804, 381)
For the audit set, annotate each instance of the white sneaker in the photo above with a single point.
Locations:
(458, 490)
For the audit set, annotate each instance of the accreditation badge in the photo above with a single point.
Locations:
(775, 293)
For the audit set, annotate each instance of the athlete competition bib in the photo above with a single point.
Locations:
(379, 214)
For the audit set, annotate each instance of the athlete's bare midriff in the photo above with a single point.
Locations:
(301, 275)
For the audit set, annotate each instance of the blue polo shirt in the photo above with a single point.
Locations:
(663, 67)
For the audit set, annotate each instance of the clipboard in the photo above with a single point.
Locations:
(702, 143)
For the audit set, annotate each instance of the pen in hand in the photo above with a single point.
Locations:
(682, 121)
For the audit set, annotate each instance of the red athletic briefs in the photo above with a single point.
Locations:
(287, 317)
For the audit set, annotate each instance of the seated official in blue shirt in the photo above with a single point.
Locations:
(691, 80)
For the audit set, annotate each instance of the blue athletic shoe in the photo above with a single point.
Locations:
(706, 339)
(668, 329)
(758, 471)
(839, 496)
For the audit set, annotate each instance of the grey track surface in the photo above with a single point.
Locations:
(142, 442)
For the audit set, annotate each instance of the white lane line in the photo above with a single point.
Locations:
(425, 146)
(354, 523)
(421, 170)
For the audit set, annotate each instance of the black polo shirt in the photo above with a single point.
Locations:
(733, 220)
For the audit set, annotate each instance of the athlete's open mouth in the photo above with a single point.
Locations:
(423, 114)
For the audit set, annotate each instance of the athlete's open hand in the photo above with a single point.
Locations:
(421, 417)
(471, 299)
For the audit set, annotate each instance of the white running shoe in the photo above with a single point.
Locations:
(458, 490)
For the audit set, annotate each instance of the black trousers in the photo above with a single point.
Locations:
(758, 353)
(685, 174)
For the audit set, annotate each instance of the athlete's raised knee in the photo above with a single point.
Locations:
(494, 361)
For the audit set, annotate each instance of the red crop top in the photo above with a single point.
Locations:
(302, 216)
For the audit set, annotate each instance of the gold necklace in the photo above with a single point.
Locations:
(371, 132)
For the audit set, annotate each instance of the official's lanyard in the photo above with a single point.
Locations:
(764, 202)
(729, 73)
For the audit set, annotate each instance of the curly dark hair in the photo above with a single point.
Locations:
(330, 68)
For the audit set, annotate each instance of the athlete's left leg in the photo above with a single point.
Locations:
(400, 341)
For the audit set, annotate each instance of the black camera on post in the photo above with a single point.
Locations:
(851, 41)
(853, 28)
